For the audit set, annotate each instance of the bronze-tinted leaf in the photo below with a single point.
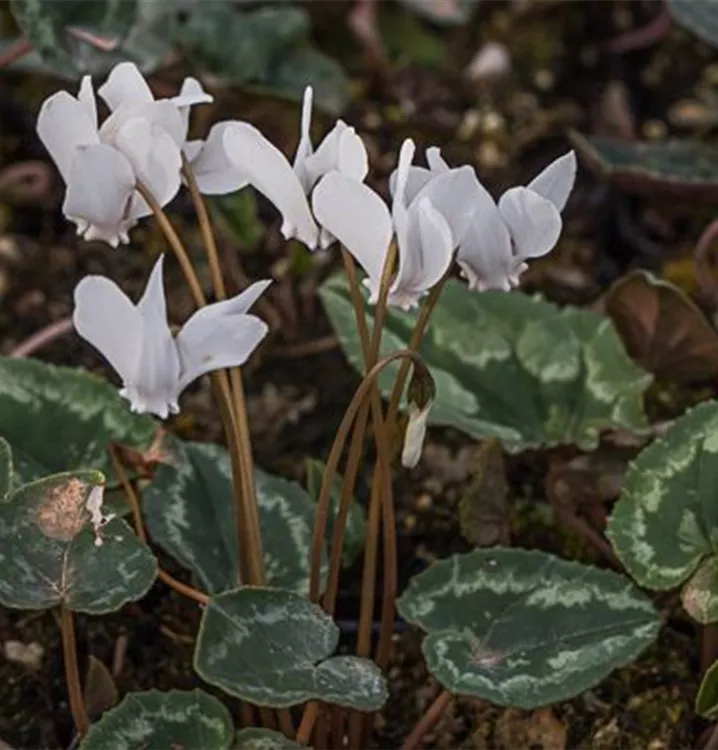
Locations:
(662, 329)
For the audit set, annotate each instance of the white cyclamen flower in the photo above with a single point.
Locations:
(236, 153)
(423, 211)
(155, 367)
(140, 141)
(414, 435)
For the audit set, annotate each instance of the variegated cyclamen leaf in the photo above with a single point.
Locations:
(190, 720)
(50, 552)
(38, 400)
(5, 470)
(255, 738)
(523, 628)
(274, 648)
(707, 698)
(664, 527)
(511, 366)
(189, 511)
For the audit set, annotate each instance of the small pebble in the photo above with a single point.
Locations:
(29, 655)
(423, 502)
(491, 61)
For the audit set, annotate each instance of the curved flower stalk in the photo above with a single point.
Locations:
(427, 214)
(495, 244)
(239, 154)
(155, 367)
(141, 141)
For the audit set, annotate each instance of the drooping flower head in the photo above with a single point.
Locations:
(140, 141)
(155, 366)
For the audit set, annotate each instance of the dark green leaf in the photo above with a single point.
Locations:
(664, 527)
(523, 628)
(682, 168)
(51, 554)
(707, 698)
(274, 648)
(255, 738)
(153, 720)
(239, 210)
(189, 510)
(511, 366)
(5, 470)
(355, 531)
(38, 400)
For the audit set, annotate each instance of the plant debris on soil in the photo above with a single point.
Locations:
(565, 74)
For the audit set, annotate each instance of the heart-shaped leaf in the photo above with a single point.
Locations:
(274, 648)
(5, 470)
(663, 331)
(255, 738)
(664, 527)
(523, 628)
(51, 553)
(153, 720)
(699, 17)
(707, 698)
(511, 366)
(38, 400)
(677, 168)
(189, 510)
(355, 531)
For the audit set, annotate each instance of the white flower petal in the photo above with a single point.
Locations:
(269, 172)
(86, 97)
(191, 93)
(237, 305)
(424, 258)
(64, 124)
(556, 181)
(99, 189)
(215, 173)
(436, 161)
(217, 342)
(484, 253)
(357, 217)
(414, 436)
(155, 388)
(417, 179)
(106, 318)
(533, 222)
(343, 150)
(406, 156)
(305, 148)
(125, 84)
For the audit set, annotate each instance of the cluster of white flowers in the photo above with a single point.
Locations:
(437, 214)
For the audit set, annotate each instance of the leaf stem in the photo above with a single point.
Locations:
(306, 726)
(72, 672)
(428, 720)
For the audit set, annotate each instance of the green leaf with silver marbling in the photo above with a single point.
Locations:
(511, 366)
(257, 738)
(189, 511)
(5, 470)
(61, 419)
(191, 720)
(664, 527)
(50, 553)
(523, 628)
(274, 648)
(707, 697)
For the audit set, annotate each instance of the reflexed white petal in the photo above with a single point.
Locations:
(556, 181)
(352, 159)
(64, 125)
(215, 173)
(454, 194)
(406, 156)
(357, 217)
(305, 148)
(268, 170)
(424, 258)
(125, 84)
(191, 93)
(106, 318)
(158, 375)
(86, 97)
(484, 253)
(417, 179)
(343, 150)
(237, 305)
(435, 160)
(217, 342)
(98, 192)
(533, 222)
